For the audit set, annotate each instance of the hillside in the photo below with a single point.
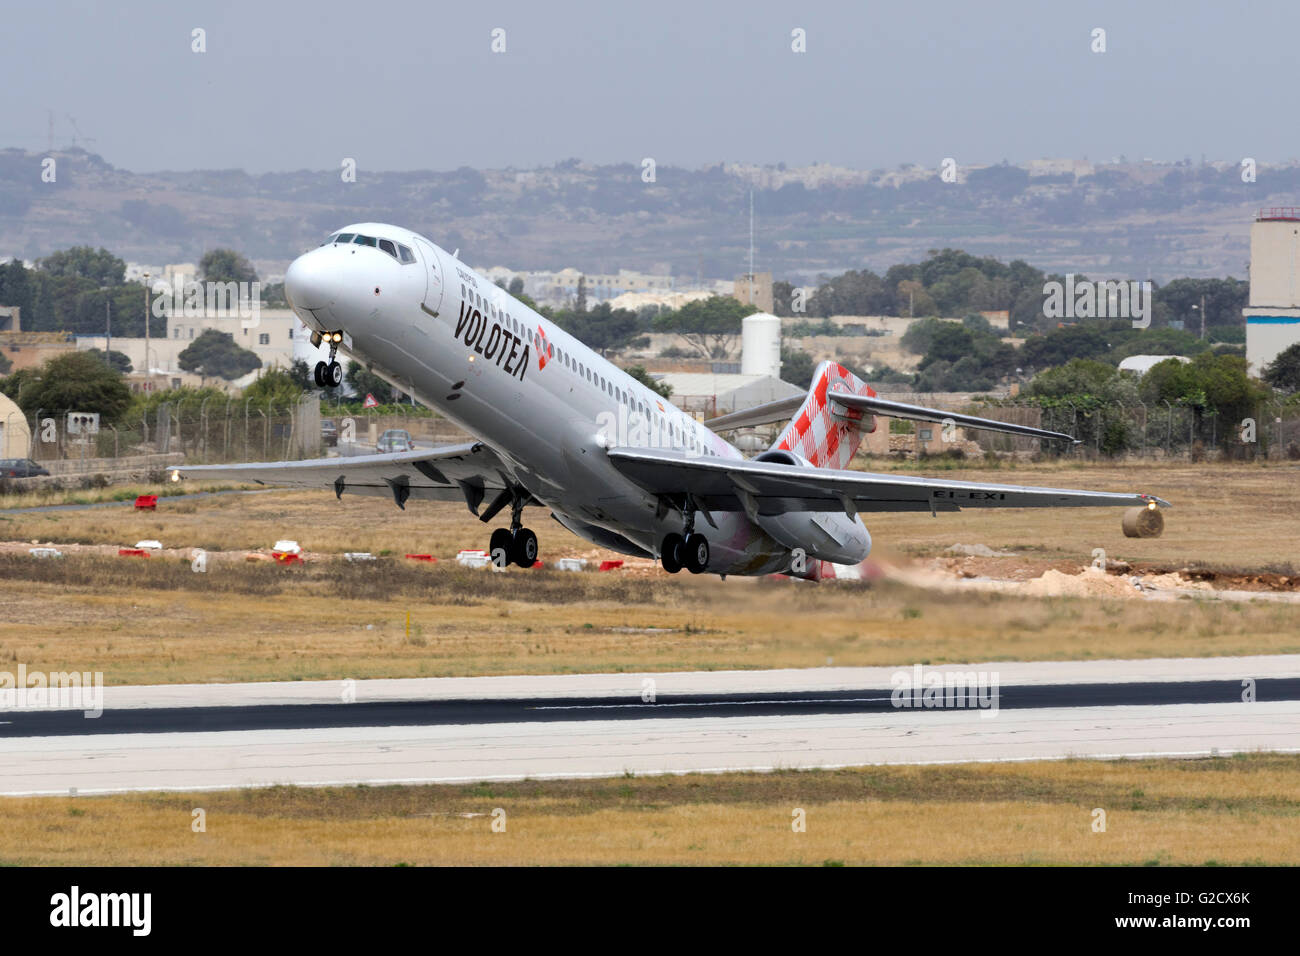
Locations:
(1125, 219)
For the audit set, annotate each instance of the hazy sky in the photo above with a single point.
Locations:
(415, 85)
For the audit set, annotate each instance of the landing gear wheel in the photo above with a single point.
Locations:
(695, 551)
(524, 551)
(670, 552)
(318, 374)
(333, 375)
(502, 543)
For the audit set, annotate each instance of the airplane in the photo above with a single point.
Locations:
(558, 426)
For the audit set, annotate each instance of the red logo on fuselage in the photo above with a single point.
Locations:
(545, 350)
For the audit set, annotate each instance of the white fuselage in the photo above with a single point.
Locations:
(544, 402)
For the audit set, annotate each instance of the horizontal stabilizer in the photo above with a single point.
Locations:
(919, 413)
(766, 414)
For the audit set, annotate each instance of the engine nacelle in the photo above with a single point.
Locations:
(824, 535)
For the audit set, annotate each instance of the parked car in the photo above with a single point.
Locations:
(395, 439)
(329, 432)
(20, 468)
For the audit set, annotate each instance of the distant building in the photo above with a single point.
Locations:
(707, 394)
(560, 287)
(276, 338)
(1273, 315)
(15, 433)
(755, 289)
(1141, 364)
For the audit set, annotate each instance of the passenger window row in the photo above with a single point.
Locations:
(677, 432)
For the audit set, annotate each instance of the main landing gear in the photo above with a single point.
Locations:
(689, 550)
(329, 374)
(516, 544)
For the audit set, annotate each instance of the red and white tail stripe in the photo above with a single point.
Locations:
(828, 439)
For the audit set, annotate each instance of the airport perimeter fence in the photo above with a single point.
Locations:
(216, 431)
(1163, 431)
(212, 431)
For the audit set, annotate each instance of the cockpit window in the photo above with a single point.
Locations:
(364, 240)
(387, 246)
(332, 238)
(344, 237)
(405, 254)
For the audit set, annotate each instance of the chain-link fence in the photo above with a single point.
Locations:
(232, 430)
(1163, 430)
(214, 431)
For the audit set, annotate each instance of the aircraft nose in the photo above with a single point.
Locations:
(310, 283)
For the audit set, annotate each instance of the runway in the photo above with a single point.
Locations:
(444, 730)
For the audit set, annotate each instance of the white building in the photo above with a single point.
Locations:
(274, 335)
(1273, 315)
(1141, 364)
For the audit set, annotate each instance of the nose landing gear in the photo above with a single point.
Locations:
(329, 374)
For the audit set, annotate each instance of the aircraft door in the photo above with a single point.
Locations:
(433, 275)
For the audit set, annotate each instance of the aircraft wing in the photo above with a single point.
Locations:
(447, 473)
(771, 488)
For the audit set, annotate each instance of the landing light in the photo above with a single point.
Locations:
(337, 336)
(1151, 506)
(176, 475)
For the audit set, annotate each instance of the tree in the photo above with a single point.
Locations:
(5, 364)
(115, 359)
(275, 386)
(639, 373)
(1210, 382)
(1078, 377)
(710, 326)
(365, 382)
(581, 304)
(920, 334)
(75, 381)
(603, 328)
(216, 355)
(99, 266)
(516, 287)
(1284, 371)
(273, 296)
(226, 265)
(797, 367)
(1069, 342)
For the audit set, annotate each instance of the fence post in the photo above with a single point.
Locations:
(203, 427)
(1144, 428)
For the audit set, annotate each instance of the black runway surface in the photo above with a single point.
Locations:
(44, 723)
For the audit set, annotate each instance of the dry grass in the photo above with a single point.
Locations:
(1240, 810)
(1229, 516)
(156, 621)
